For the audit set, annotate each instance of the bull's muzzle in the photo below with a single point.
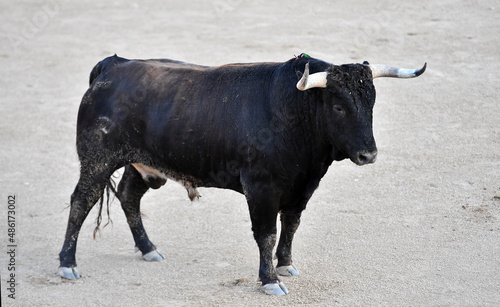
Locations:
(365, 157)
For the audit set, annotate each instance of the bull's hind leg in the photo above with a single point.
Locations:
(130, 191)
(90, 188)
(289, 224)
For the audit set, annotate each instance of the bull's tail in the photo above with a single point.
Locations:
(110, 187)
(104, 65)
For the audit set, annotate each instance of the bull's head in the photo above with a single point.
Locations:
(348, 99)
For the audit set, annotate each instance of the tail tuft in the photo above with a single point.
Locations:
(110, 186)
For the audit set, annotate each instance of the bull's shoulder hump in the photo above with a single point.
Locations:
(244, 65)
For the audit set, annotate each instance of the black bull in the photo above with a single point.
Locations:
(267, 130)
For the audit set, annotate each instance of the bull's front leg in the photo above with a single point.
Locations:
(265, 236)
(289, 224)
(264, 209)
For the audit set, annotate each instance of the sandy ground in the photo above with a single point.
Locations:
(420, 227)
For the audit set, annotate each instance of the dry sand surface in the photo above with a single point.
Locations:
(420, 227)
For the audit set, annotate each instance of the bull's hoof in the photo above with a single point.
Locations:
(155, 255)
(69, 273)
(277, 288)
(287, 270)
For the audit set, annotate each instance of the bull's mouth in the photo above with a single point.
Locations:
(365, 157)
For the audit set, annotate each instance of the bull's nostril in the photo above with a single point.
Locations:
(366, 157)
(362, 159)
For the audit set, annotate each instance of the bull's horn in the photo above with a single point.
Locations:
(309, 81)
(379, 70)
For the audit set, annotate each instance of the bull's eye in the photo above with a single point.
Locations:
(339, 110)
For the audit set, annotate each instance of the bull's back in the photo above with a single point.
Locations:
(189, 117)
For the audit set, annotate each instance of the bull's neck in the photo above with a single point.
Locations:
(305, 132)
(303, 112)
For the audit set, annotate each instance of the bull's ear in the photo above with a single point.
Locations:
(311, 81)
